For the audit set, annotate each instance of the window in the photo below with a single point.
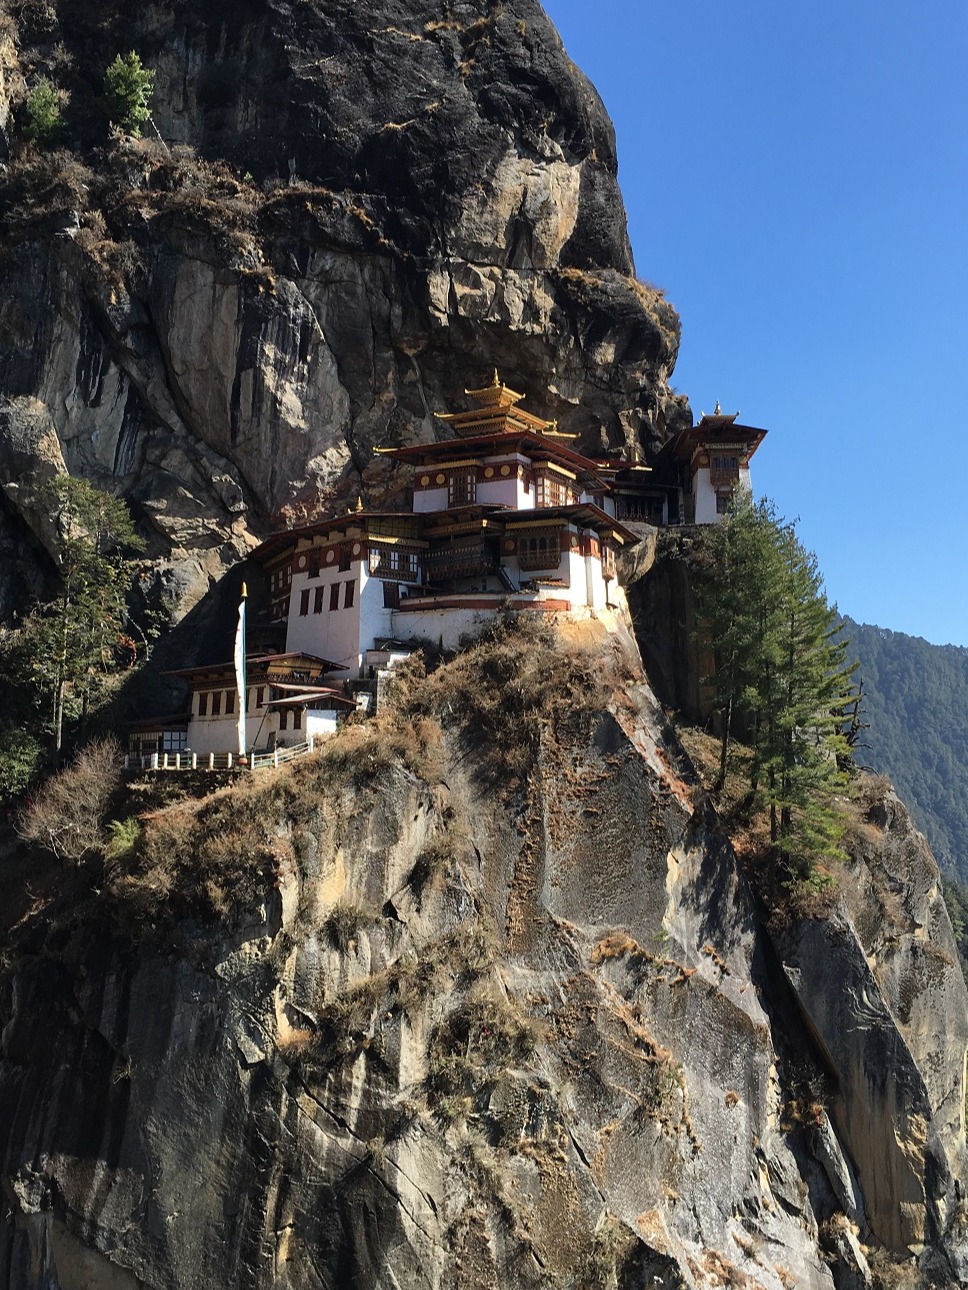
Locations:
(462, 488)
(216, 703)
(297, 719)
(174, 741)
(318, 600)
(542, 551)
(229, 702)
(552, 491)
(260, 695)
(392, 563)
(391, 595)
(334, 595)
(350, 593)
(722, 503)
(283, 719)
(312, 564)
(304, 603)
(203, 705)
(344, 559)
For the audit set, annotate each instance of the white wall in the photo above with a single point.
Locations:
(319, 724)
(705, 494)
(221, 734)
(341, 635)
(429, 499)
(332, 633)
(375, 619)
(448, 626)
(499, 490)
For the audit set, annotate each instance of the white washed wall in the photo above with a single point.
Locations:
(221, 734)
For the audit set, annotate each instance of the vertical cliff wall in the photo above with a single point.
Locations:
(414, 194)
(438, 1008)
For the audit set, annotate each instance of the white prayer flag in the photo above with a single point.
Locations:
(240, 671)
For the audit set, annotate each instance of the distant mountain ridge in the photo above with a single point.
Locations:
(916, 701)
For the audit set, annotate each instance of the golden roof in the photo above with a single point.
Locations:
(496, 413)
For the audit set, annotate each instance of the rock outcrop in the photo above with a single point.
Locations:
(419, 193)
(438, 1009)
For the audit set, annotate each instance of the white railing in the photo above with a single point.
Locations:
(217, 761)
(279, 756)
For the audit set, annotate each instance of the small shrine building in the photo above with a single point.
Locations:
(714, 460)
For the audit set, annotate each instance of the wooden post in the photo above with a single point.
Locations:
(211, 761)
(154, 761)
(275, 758)
(228, 763)
(194, 761)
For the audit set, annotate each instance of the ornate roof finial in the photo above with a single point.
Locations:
(718, 412)
(497, 380)
(359, 504)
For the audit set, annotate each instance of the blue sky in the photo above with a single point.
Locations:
(796, 178)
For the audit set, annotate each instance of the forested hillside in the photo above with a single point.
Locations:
(916, 700)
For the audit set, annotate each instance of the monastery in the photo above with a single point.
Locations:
(506, 514)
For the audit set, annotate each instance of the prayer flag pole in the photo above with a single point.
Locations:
(240, 671)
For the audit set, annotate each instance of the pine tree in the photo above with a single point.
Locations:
(128, 86)
(43, 122)
(779, 669)
(802, 742)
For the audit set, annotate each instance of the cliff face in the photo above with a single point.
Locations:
(480, 996)
(420, 193)
(439, 1008)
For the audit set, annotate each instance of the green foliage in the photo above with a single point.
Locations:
(122, 837)
(21, 757)
(44, 123)
(956, 900)
(780, 672)
(916, 704)
(128, 86)
(73, 640)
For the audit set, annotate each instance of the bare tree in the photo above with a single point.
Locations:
(66, 815)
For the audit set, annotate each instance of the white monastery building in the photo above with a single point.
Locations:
(506, 514)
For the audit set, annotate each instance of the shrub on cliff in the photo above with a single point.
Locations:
(66, 816)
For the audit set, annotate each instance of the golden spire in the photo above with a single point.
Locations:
(359, 504)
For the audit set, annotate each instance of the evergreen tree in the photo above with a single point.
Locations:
(128, 86)
(73, 639)
(44, 123)
(780, 670)
(801, 743)
(742, 567)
